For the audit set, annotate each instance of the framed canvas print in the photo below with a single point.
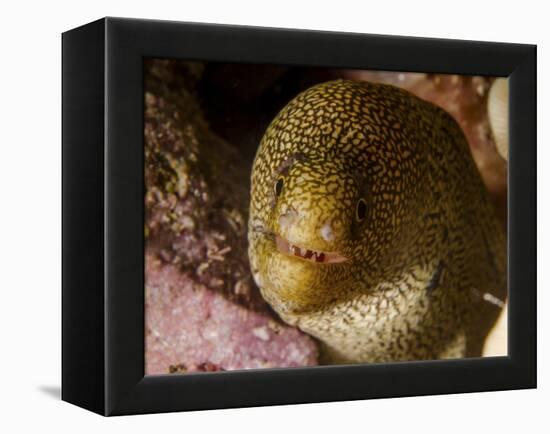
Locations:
(258, 216)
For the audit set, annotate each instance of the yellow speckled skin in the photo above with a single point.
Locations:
(422, 263)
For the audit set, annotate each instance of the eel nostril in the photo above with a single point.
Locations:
(327, 233)
(287, 219)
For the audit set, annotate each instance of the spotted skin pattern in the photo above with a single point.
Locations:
(423, 258)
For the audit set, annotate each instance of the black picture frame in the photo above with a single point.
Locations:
(103, 216)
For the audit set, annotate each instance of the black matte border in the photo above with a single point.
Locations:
(127, 43)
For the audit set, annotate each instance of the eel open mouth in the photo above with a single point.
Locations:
(310, 255)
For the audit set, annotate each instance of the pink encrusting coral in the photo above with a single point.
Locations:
(193, 328)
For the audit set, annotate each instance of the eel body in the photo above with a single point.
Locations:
(370, 227)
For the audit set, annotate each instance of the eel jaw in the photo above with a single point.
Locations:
(316, 256)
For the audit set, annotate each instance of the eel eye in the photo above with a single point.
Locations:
(361, 210)
(279, 187)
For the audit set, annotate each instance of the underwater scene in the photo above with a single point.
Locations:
(301, 216)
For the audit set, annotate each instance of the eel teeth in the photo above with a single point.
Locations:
(308, 254)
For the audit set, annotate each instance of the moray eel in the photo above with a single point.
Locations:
(371, 229)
